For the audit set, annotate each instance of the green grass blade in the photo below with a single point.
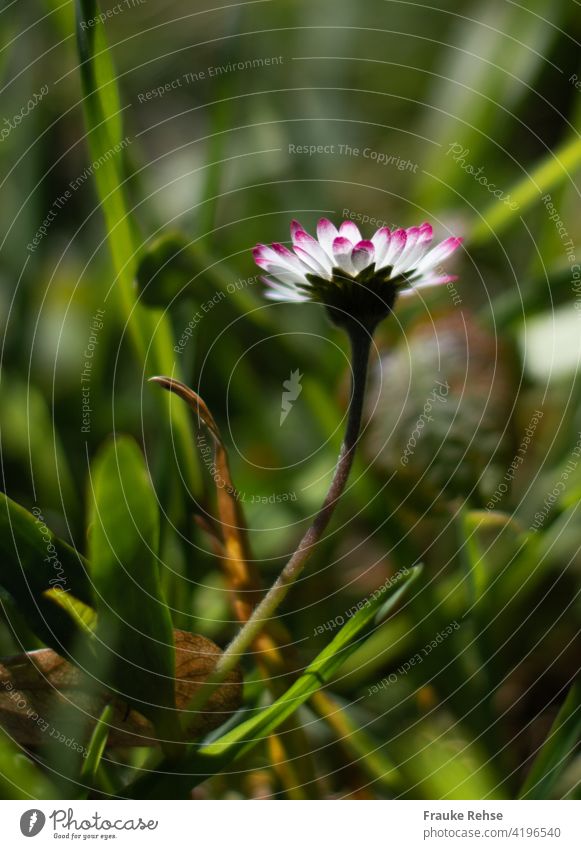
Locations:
(214, 756)
(557, 749)
(149, 329)
(555, 168)
(96, 745)
(319, 672)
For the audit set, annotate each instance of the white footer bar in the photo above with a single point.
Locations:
(294, 825)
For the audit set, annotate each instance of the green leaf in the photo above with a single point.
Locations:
(134, 625)
(19, 777)
(27, 425)
(214, 756)
(34, 561)
(557, 749)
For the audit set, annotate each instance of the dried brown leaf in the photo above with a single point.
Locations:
(34, 684)
(242, 577)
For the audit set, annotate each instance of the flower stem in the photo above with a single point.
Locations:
(360, 346)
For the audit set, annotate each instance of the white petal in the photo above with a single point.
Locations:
(315, 251)
(403, 262)
(286, 275)
(425, 282)
(396, 246)
(381, 239)
(363, 255)
(421, 246)
(439, 253)
(350, 231)
(342, 250)
(295, 227)
(278, 257)
(311, 264)
(326, 233)
(278, 291)
(284, 296)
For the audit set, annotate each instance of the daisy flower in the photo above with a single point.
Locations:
(355, 278)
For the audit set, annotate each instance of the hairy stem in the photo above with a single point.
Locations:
(265, 610)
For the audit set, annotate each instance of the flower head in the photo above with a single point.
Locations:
(355, 278)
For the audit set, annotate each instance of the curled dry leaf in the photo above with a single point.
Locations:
(229, 536)
(33, 685)
(241, 574)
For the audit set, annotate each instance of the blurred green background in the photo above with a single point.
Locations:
(213, 105)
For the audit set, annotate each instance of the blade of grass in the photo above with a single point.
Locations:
(553, 170)
(96, 745)
(557, 749)
(216, 755)
(149, 329)
(318, 672)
